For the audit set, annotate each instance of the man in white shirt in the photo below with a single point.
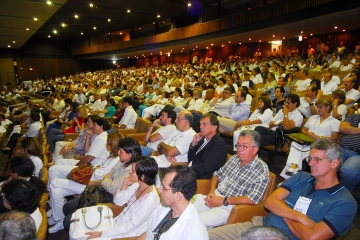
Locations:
(176, 190)
(307, 105)
(81, 97)
(129, 119)
(256, 76)
(327, 85)
(334, 63)
(345, 66)
(166, 120)
(176, 147)
(222, 105)
(302, 83)
(352, 95)
(96, 105)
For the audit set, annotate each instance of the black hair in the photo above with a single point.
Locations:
(213, 120)
(170, 114)
(179, 91)
(184, 181)
(130, 146)
(167, 95)
(294, 98)
(35, 116)
(74, 106)
(102, 122)
(22, 165)
(267, 103)
(147, 167)
(112, 102)
(282, 90)
(22, 195)
(317, 83)
(127, 100)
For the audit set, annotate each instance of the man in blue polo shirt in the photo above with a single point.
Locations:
(307, 205)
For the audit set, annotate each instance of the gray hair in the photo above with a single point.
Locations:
(263, 233)
(199, 92)
(189, 117)
(255, 136)
(332, 150)
(16, 225)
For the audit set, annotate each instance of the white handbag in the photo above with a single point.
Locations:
(90, 219)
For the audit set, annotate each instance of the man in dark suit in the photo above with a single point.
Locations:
(207, 151)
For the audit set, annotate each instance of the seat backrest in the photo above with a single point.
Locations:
(270, 187)
(43, 174)
(142, 125)
(42, 231)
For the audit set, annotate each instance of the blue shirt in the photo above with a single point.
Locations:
(335, 206)
(240, 111)
(272, 92)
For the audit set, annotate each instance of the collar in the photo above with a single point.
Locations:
(242, 103)
(332, 190)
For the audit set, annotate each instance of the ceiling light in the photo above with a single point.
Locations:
(311, 34)
(151, 53)
(240, 43)
(249, 39)
(35, 19)
(13, 41)
(76, 16)
(302, 32)
(207, 47)
(335, 27)
(27, 29)
(109, 20)
(158, 16)
(229, 41)
(128, 10)
(48, 2)
(55, 31)
(114, 62)
(81, 33)
(9, 46)
(120, 33)
(343, 30)
(183, 48)
(170, 50)
(163, 22)
(153, 22)
(212, 44)
(181, 51)
(139, 28)
(94, 28)
(63, 24)
(49, 36)
(196, 46)
(273, 35)
(91, 5)
(222, 45)
(283, 37)
(189, 4)
(259, 40)
(193, 49)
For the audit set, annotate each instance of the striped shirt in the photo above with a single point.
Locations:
(351, 140)
(249, 180)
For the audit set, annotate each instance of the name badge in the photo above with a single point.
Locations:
(302, 204)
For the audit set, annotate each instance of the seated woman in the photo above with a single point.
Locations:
(279, 101)
(338, 102)
(75, 149)
(141, 198)
(129, 149)
(110, 109)
(31, 148)
(58, 135)
(33, 131)
(318, 126)
(60, 188)
(260, 117)
(68, 121)
(22, 195)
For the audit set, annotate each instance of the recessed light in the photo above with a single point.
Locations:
(212, 44)
(114, 62)
(128, 57)
(196, 46)
(27, 29)
(170, 50)
(9, 46)
(128, 10)
(55, 31)
(163, 22)
(207, 47)
(343, 30)
(49, 2)
(150, 53)
(49, 36)
(240, 43)
(13, 41)
(139, 28)
(109, 20)
(259, 40)
(82, 33)
(193, 49)
(158, 16)
(302, 32)
(311, 34)
(222, 45)
(189, 4)
(35, 19)
(120, 33)
(249, 39)
(181, 51)
(91, 5)
(63, 24)
(335, 27)
(153, 22)
(183, 48)
(94, 28)
(76, 16)
(273, 35)
(283, 37)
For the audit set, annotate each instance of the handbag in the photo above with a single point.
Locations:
(280, 133)
(81, 174)
(300, 138)
(93, 195)
(90, 219)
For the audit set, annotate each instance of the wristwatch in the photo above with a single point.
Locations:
(225, 202)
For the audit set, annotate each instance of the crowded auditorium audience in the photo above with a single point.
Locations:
(186, 120)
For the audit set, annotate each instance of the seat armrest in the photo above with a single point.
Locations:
(70, 136)
(125, 132)
(180, 164)
(244, 212)
(203, 186)
(154, 153)
(137, 136)
(114, 208)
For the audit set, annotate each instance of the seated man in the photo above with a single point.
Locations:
(242, 180)
(166, 120)
(179, 219)
(176, 147)
(306, 206)
(239, 112)
(129, 119)
(207, 152)
(16, 225)
(281, 83)
(289, 117)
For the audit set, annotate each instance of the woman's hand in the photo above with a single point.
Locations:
(93, 234)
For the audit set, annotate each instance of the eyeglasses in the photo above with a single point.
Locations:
(316, 159)
(243, 147)
(179, 119)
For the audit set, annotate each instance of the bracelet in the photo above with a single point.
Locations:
(100, 234)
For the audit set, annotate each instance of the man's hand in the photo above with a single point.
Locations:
(285, 110)
(93, 234)
(89, 134)
(171, 159)
(197, 138)
(212, 200)
(156, 123)
(64, 150)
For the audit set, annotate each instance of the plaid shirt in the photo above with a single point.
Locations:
(249, 180)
